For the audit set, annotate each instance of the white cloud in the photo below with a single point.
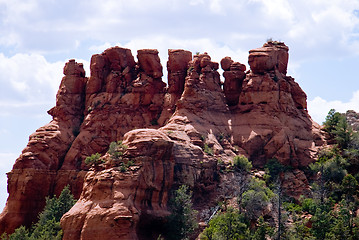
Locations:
(216, 6)
(323, 28)
(310, 26)
(100, 48)
(318, 108)
(29, 79)
(278, 9)
(196, 2)
(30, 76)
(16, 9)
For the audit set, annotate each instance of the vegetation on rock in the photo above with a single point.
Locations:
(116, 150)
(207, 149)
(241, 163)
(94, 160)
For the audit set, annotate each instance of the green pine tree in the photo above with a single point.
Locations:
(182, 222)
(48, 227)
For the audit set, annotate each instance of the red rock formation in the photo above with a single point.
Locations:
(120, 96)
(201, 115)
(149, 62)
(295, 184)
(89, 115)
(35, 171)
(177, 66)
(189, 126)
(271, 118)
(112, 201)
(273, 55)
(234, 73)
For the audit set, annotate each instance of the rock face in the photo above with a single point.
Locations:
(37, 172)
(175, 135)
(272, 56)
(353, 119)
(89, 114)
(234, 73)
(271, 118)
(114, 200)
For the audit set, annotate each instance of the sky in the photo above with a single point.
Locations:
(37, 37)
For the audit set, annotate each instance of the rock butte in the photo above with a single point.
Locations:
(260, 113)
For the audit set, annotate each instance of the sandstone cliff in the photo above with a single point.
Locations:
(175, 135)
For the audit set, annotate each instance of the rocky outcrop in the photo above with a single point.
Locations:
(353, 119)
(37, 172)
(234, 73)
(271, 118)
(126, 96)
(272, 56)
(177, 66)
(114, 199)
(183, 133)
(89, 114)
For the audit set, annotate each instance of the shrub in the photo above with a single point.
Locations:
(123, 168)
(342, 133)
(273, 168)
(308, 205)
(338, 128)
(112, 149)
(208, 149)
(256, 198)
(352, 153)
(242, 163)
(94, 160)
(228, 225)
(20, 233)
(321, 222)
(334, 169)
(116, 150)
(292, 207)
(263, 231)
(130, 163)
(51, 229)
(350, 186)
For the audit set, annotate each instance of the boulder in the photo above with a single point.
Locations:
(177, 66)
(273, 55)
(149, 62)
(234, 74)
